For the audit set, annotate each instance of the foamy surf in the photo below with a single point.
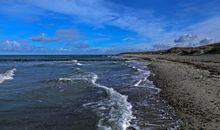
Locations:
(85, 100)
(79, 64)
(138, 83)
(8, 75)
(76, 62)
(120, 113)
(65, 79)
(119, 110)
(144, 74)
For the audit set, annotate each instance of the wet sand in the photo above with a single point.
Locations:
(191, 84)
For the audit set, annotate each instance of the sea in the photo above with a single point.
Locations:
(81, 92)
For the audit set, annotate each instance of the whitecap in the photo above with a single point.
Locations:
(72, 79)
(137, 83)
(8, 75)
(65, 79)
(79, 64)
(74, 61)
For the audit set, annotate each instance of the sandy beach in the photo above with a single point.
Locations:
(191, 84)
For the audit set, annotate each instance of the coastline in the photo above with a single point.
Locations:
(191, 84)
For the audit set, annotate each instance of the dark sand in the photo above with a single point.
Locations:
(191, 84)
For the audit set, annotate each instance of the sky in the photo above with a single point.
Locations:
(105, 26)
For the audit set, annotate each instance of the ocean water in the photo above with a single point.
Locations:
(80, 93)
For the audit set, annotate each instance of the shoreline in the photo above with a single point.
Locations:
(191, 84)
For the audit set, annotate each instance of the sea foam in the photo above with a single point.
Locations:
(120, 110)
(8, 75)
(79, 64)
(76, 62)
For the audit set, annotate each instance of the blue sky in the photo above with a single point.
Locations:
(105, 26)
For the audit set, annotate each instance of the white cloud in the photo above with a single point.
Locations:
(185, 40)
(207, 40)
(187, 37)
(13, 46)
(44, 38)
(101, 13)
(96, 12)
(145, 27)
(17, 9)
(10, 45)
(128, 39)
(61, 35)
(92, 11)
(207, 28)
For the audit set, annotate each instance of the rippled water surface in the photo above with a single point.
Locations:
(80, 93)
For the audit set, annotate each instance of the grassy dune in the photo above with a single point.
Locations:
(201, 50)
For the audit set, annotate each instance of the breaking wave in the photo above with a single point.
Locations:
(8, 75)
(115, 111)
(119, 110)
(143, 74)
(76, 62)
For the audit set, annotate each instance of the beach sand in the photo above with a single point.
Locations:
(191, 84)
